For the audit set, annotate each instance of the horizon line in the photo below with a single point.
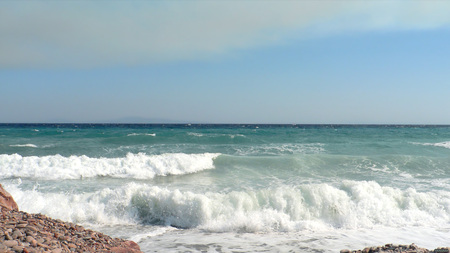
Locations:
(253, 124)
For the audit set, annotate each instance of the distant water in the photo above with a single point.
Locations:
(236, 188)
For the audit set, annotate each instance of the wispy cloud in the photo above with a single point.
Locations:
(98, 33)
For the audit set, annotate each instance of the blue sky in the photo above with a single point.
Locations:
(355, 62)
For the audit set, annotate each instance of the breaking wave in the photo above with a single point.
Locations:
(445, 144)
(29, 145)
(351, 205)
(139, 166)
(141, 134)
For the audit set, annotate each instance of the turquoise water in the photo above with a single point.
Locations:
(245, 188)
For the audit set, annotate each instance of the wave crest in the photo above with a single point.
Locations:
(141, 134)
(353, 204)
(139, 166)
(29, 145)
(445, 144)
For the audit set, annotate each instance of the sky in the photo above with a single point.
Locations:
(225, 61)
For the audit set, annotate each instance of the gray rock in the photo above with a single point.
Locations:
(29, 238)
(10, 243)
(17, 234)
(18, 248)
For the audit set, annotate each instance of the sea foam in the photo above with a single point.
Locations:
(29, 145)
(311, 207)
(139, 166)
(445, 144)
(280, 149)
(141, 134)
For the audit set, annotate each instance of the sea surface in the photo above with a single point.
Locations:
(236, 188)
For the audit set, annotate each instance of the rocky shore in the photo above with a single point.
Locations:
(24, 232)
(392, 248)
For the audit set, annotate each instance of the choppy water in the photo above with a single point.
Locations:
(236, 188)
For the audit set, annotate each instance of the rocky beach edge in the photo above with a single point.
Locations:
(393, 248)
(24, 232)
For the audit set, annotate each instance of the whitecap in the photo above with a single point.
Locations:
(139, 166)
(445, 144)
(29, 145)
(195, 134)
(141, 134)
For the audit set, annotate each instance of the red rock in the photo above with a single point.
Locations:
(127, 247)
(33, 243)
(7, 201)
(132, 245)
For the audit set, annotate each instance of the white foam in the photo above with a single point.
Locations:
(305, 241)
(195, 134)
(140, 166)
(445, 144)
(312, 207)
(277, 149)
(84, 208)
(215, 135)
(29, 145)
(157, 232)
(353, 215)
(141, 134)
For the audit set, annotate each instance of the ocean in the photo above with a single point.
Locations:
(236, 188)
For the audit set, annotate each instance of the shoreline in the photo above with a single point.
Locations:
(24, 232)
(393, 248)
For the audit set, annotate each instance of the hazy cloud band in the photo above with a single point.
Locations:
(46, 34)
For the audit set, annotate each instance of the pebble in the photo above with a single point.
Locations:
(29, 239)
(10, 243)
(21, 225)
(392, 248)
(18, 248)
(16, 234)
(37, 233)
